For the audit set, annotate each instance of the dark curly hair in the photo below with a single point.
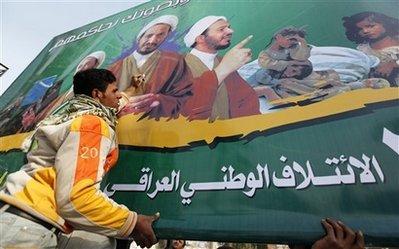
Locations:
(291, 30)
(85, 81)
(390, 24)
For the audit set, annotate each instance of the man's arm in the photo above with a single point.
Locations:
(199, 106)
(339, 236)
(235, 58)
(86, 153)
(169, 89)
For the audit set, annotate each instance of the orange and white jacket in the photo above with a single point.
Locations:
(60, 183)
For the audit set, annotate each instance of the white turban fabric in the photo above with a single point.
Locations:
(99, 55)
(171, 20)
(199, 27)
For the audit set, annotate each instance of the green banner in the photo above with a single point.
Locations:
(305, 128)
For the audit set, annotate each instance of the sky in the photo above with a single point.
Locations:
(27, 26)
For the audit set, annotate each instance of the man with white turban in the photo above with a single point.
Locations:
(218, 91)
(154, 82)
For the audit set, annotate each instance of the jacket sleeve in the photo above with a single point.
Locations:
(86, 153)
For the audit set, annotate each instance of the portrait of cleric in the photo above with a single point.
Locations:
(202, 85)
(205, 76)
(219, 92)
(198, 85)
(154, 82)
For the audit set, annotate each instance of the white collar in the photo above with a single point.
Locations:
(206, 58)
(141, 58)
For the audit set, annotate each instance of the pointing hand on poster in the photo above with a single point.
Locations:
(141, 103)
(234, 59)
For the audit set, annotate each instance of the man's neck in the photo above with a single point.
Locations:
(143, 55)
(207, 58)
(206, 49)
(214, 53)
(141, 58)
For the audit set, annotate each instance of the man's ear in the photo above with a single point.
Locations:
(96, 94)
(200, 39)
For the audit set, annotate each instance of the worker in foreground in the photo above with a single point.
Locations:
(57, 190)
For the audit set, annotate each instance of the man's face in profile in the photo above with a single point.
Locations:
(110, 97)
(153, 38)
(219, 35)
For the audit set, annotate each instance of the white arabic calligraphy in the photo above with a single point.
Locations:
(143, 13)
(253, 181)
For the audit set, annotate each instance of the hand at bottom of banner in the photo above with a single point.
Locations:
(143, 234)
(339, 236)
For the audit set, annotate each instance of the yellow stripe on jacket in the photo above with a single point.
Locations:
(62, 178)
(85, 206)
